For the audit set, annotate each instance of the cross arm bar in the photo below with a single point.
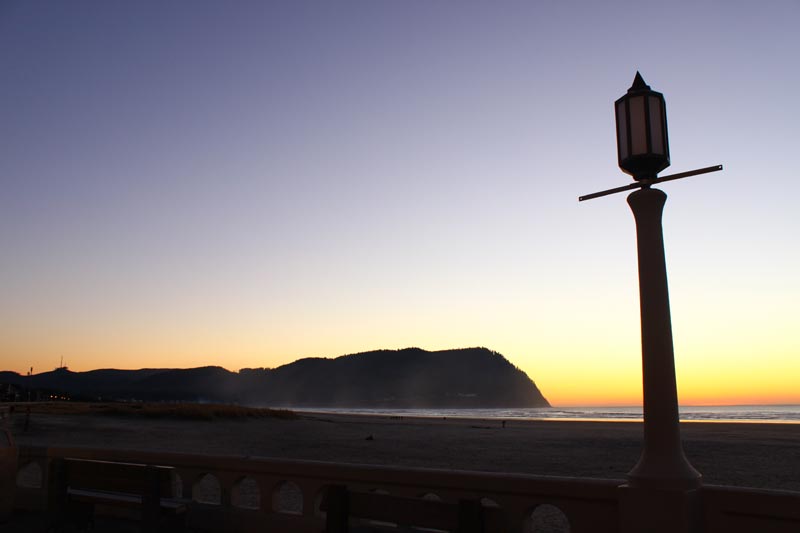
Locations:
(610, 191)
(680, 175)
(647, 183)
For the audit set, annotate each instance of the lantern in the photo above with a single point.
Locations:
(642, 144)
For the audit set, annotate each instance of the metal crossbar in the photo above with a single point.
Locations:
(647, 183)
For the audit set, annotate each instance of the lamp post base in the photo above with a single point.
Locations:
(673, 472)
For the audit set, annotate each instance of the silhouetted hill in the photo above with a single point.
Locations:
(410, 378)
(209, 383)
(474, 377)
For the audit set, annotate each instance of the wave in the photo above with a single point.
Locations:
(727, 413)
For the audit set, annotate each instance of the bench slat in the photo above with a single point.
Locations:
(466, 516)
(103, 496)
(118, 477)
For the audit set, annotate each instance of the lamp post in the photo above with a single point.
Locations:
(643, 152)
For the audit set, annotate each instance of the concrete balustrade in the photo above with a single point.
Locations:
(259, 494)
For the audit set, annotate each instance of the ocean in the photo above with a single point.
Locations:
(786, 414)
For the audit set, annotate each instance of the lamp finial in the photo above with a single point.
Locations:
(638, 84)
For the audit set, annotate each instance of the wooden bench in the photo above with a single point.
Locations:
(78, 489)
(385, 512)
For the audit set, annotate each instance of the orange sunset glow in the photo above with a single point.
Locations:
(244, 188)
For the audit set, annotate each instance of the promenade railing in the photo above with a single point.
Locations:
(262, 494)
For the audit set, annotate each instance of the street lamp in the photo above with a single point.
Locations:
(643, 152)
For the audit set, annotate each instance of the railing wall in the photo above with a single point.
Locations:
(738, 510)
(259, 494)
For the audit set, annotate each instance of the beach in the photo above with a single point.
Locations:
(740, 454)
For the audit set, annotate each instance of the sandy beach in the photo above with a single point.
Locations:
(751, 455)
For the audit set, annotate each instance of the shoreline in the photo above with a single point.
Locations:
(378, 413)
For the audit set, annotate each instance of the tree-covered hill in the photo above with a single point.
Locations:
(408, 378)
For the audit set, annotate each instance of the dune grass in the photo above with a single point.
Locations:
(187, 411)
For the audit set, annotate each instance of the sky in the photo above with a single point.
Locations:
(243, 184)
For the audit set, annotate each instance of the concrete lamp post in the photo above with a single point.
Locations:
(661, 487)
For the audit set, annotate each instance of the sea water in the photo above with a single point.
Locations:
(722, 413)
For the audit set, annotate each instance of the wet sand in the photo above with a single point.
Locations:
(750, 455)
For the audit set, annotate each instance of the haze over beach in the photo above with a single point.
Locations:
(197, 183)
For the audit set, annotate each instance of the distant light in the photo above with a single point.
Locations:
(642, 143)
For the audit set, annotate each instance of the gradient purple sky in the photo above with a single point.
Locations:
(245, 183)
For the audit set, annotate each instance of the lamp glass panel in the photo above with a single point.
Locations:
(656, 125)
(638, 126)
(622, 131)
